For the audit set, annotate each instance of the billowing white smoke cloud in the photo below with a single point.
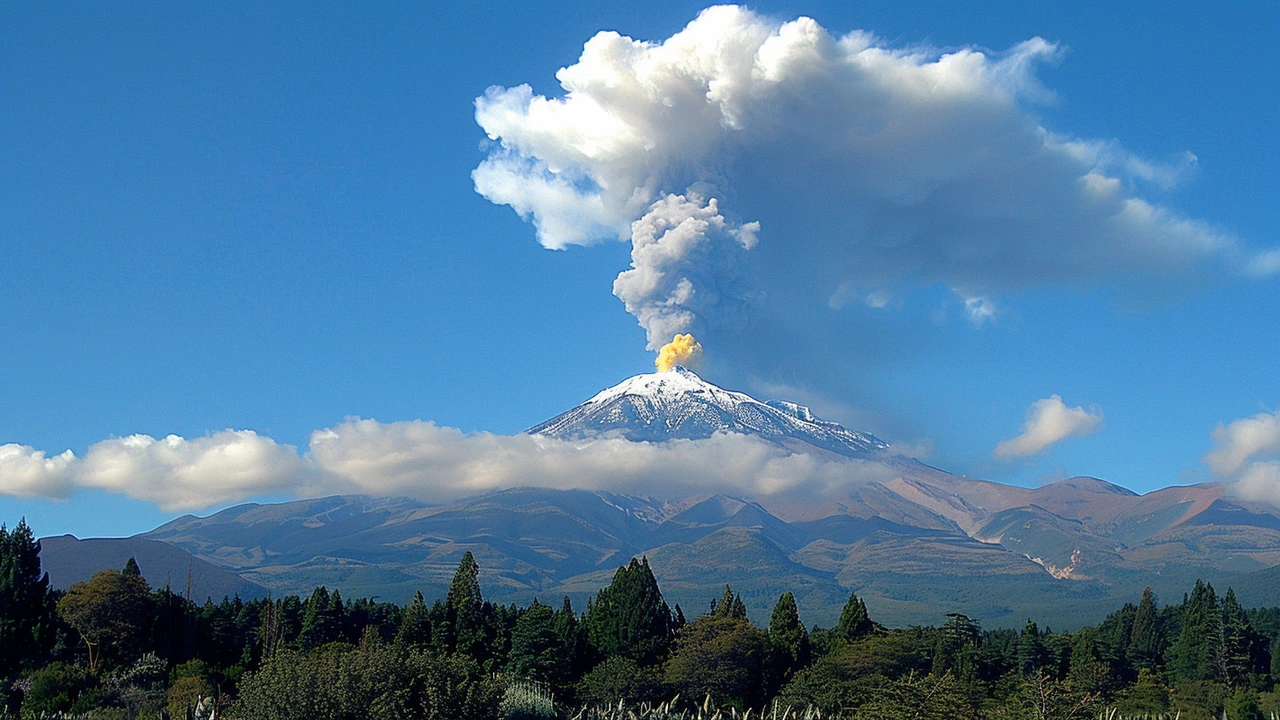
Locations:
(417, 459)
(869, 170)
(1049, 421)
(1247, 451)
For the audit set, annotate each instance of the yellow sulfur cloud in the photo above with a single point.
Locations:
(682, 350)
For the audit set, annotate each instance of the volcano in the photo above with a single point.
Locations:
(680, 405)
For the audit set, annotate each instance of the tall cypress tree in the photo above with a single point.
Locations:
(27, 613)
(1197, 652)
(319, 624)
(787, 637)
(1238, 640)
(415, 626)
(629, 618)
(464, 610)
(1144, 639)
(854, 620)
(729, 606)
(1032, 654)
(573, 643)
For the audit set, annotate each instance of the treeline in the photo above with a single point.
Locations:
(115, 648)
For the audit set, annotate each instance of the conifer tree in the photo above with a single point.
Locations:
(535, 645)
(573, 642)
(1031, 651)
(729, 606)
(1197, 652)
(415, 626)
(319, 623)
(1238, 641)
(131, 568)
(1144, 639)
(854, 620)
(787, 637)
(464, 610)
(26, 603)
(629, 618)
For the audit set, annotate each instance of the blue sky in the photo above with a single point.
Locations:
(263, 218)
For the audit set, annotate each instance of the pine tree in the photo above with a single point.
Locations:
(854, 620)
(464, 610)
(415, 626)
(787, 637)
(629, 618)
(1031, 651)
(535, 645)
(1144, 639)
(1197, 652)
(131, 568)
(27, 614)
(573, 644)
(729, 606)
(319, 620)
(1238, 641)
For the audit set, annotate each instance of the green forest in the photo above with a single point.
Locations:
(115, 648)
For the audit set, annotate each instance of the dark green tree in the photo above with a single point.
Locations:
(854, 620)
(415, 626)
(464, 622)
(573, 643)
(1145, 643)
(729, 605)
(321, 620)
(27, 609)
(1197, 653)
(788, 638)
(131, 568)
(1031, 651)
(629, 618)
(535, 646)
(1238, 642)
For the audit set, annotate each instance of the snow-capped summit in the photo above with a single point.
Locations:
(680, 405)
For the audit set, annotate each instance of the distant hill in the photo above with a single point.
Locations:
(69, 560)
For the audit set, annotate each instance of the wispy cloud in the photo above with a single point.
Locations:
(1049, 421)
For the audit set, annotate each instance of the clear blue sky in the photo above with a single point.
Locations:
(262, 217)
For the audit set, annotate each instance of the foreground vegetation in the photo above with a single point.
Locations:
(114, 648)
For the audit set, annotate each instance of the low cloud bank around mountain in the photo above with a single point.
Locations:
(425, 461)
(415, 459)
(772, 177)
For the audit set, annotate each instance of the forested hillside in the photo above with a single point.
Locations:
(113, 647)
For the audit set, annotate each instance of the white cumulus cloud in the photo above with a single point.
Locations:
(1242, 441)
(1049, 421)
(27, 472)
(767, 173)
(423, 460)
(417, 459)
(173, 472)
